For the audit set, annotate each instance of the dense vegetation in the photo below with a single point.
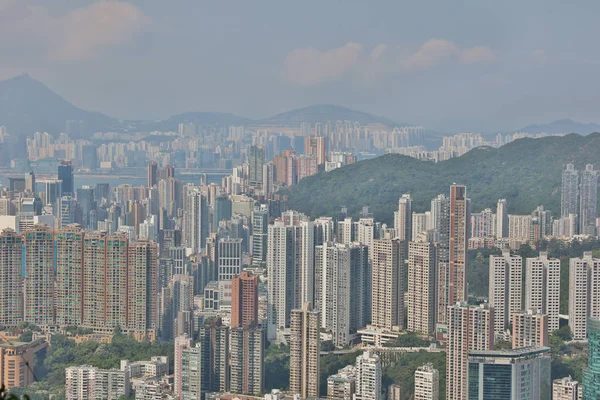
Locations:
(526, 172)
(50, 367)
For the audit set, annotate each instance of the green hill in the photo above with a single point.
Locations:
(526, 172)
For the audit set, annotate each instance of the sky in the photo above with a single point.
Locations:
(468, 66)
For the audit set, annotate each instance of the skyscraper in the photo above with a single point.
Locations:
(440, 216)
(142, 286)
(459, 221)
(584, 294)
(403, 218)
(214, 343)
(469, 328)
(247, 360)
(194, 379)
(152, 174)
(502, 219)
(591, 376)
(69, 276)
(522, 373)
(342, 288)
(427, 383)
(65, 174)
(39, 276)
(368, 377)
(229, 261)
(305, 348)
(569, 192)
(542, 287)
(181, 343)
(506, 274)
(422, 267)
(256, 159)
(290, 266)
(11, 281)
(588, 201)
(260, 223)
(195, 220)
(244, 300)
(315, 146)
(387, 283)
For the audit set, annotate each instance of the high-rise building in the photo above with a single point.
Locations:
(566, 389)
(419, 224)
(342, 288)
(368, 377)
(195, 220)
(569, 192)
(506, 275)
(142, 286)
(30, 182)
(459, 221)
(244, 300)
(305, 348)
(247, 360)
(256, 159)
(403, 218)
(90, 383)
(194, 379)
(290, 267)
(440, 217)
(502, 219)
(65, 174)
(11, 280)
(260, 223)
(214, 342)
(422, 267)
(427, 383)
(518, 374)
(542, 287)
(16, 363)
(591, 376)
(345, 233)
(588, 201)
(469, 328)
(529, 328)
(152, 174)
(69, 276)
(315, 146)
(181, 343)
(39, 276)
(387, 283)
(229, 259)
(584, 294)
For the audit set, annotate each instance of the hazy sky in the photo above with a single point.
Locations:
(449, 65)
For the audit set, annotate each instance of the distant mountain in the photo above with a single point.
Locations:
(27, 106)
(562, 126)
(323, 113)
(526, 172)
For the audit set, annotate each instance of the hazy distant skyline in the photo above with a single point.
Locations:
(474, 66)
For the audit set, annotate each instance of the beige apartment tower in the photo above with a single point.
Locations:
(505, 287)
(387, 283)
(11, 301)
(305, 346)
(542, 287)
(422, 267)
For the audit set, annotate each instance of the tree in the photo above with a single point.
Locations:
(4, 395)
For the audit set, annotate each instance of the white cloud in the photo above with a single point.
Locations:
(309, 67)
(83, 33)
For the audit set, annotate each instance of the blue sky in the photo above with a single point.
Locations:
(450, 66)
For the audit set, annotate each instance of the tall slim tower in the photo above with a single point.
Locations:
(422, 266)
(368, 377)
(506, 275)
(39, 276)
(195, 220)
(542, 288)
(256, 159)
(387, 283)
(290, 266)
(65, 174)
(11, 281)
(584, 293)
(589, 200)
(260, 222)
(440, 216)
(214, 342)
(469, 328)
(569, 191)
(591, 376)
(403, 218)
(247, 360)
(69, 276)
(142, 286)
(305, 348)
(458, 245)
(152, 174)
(244, 300)
(502, 219)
